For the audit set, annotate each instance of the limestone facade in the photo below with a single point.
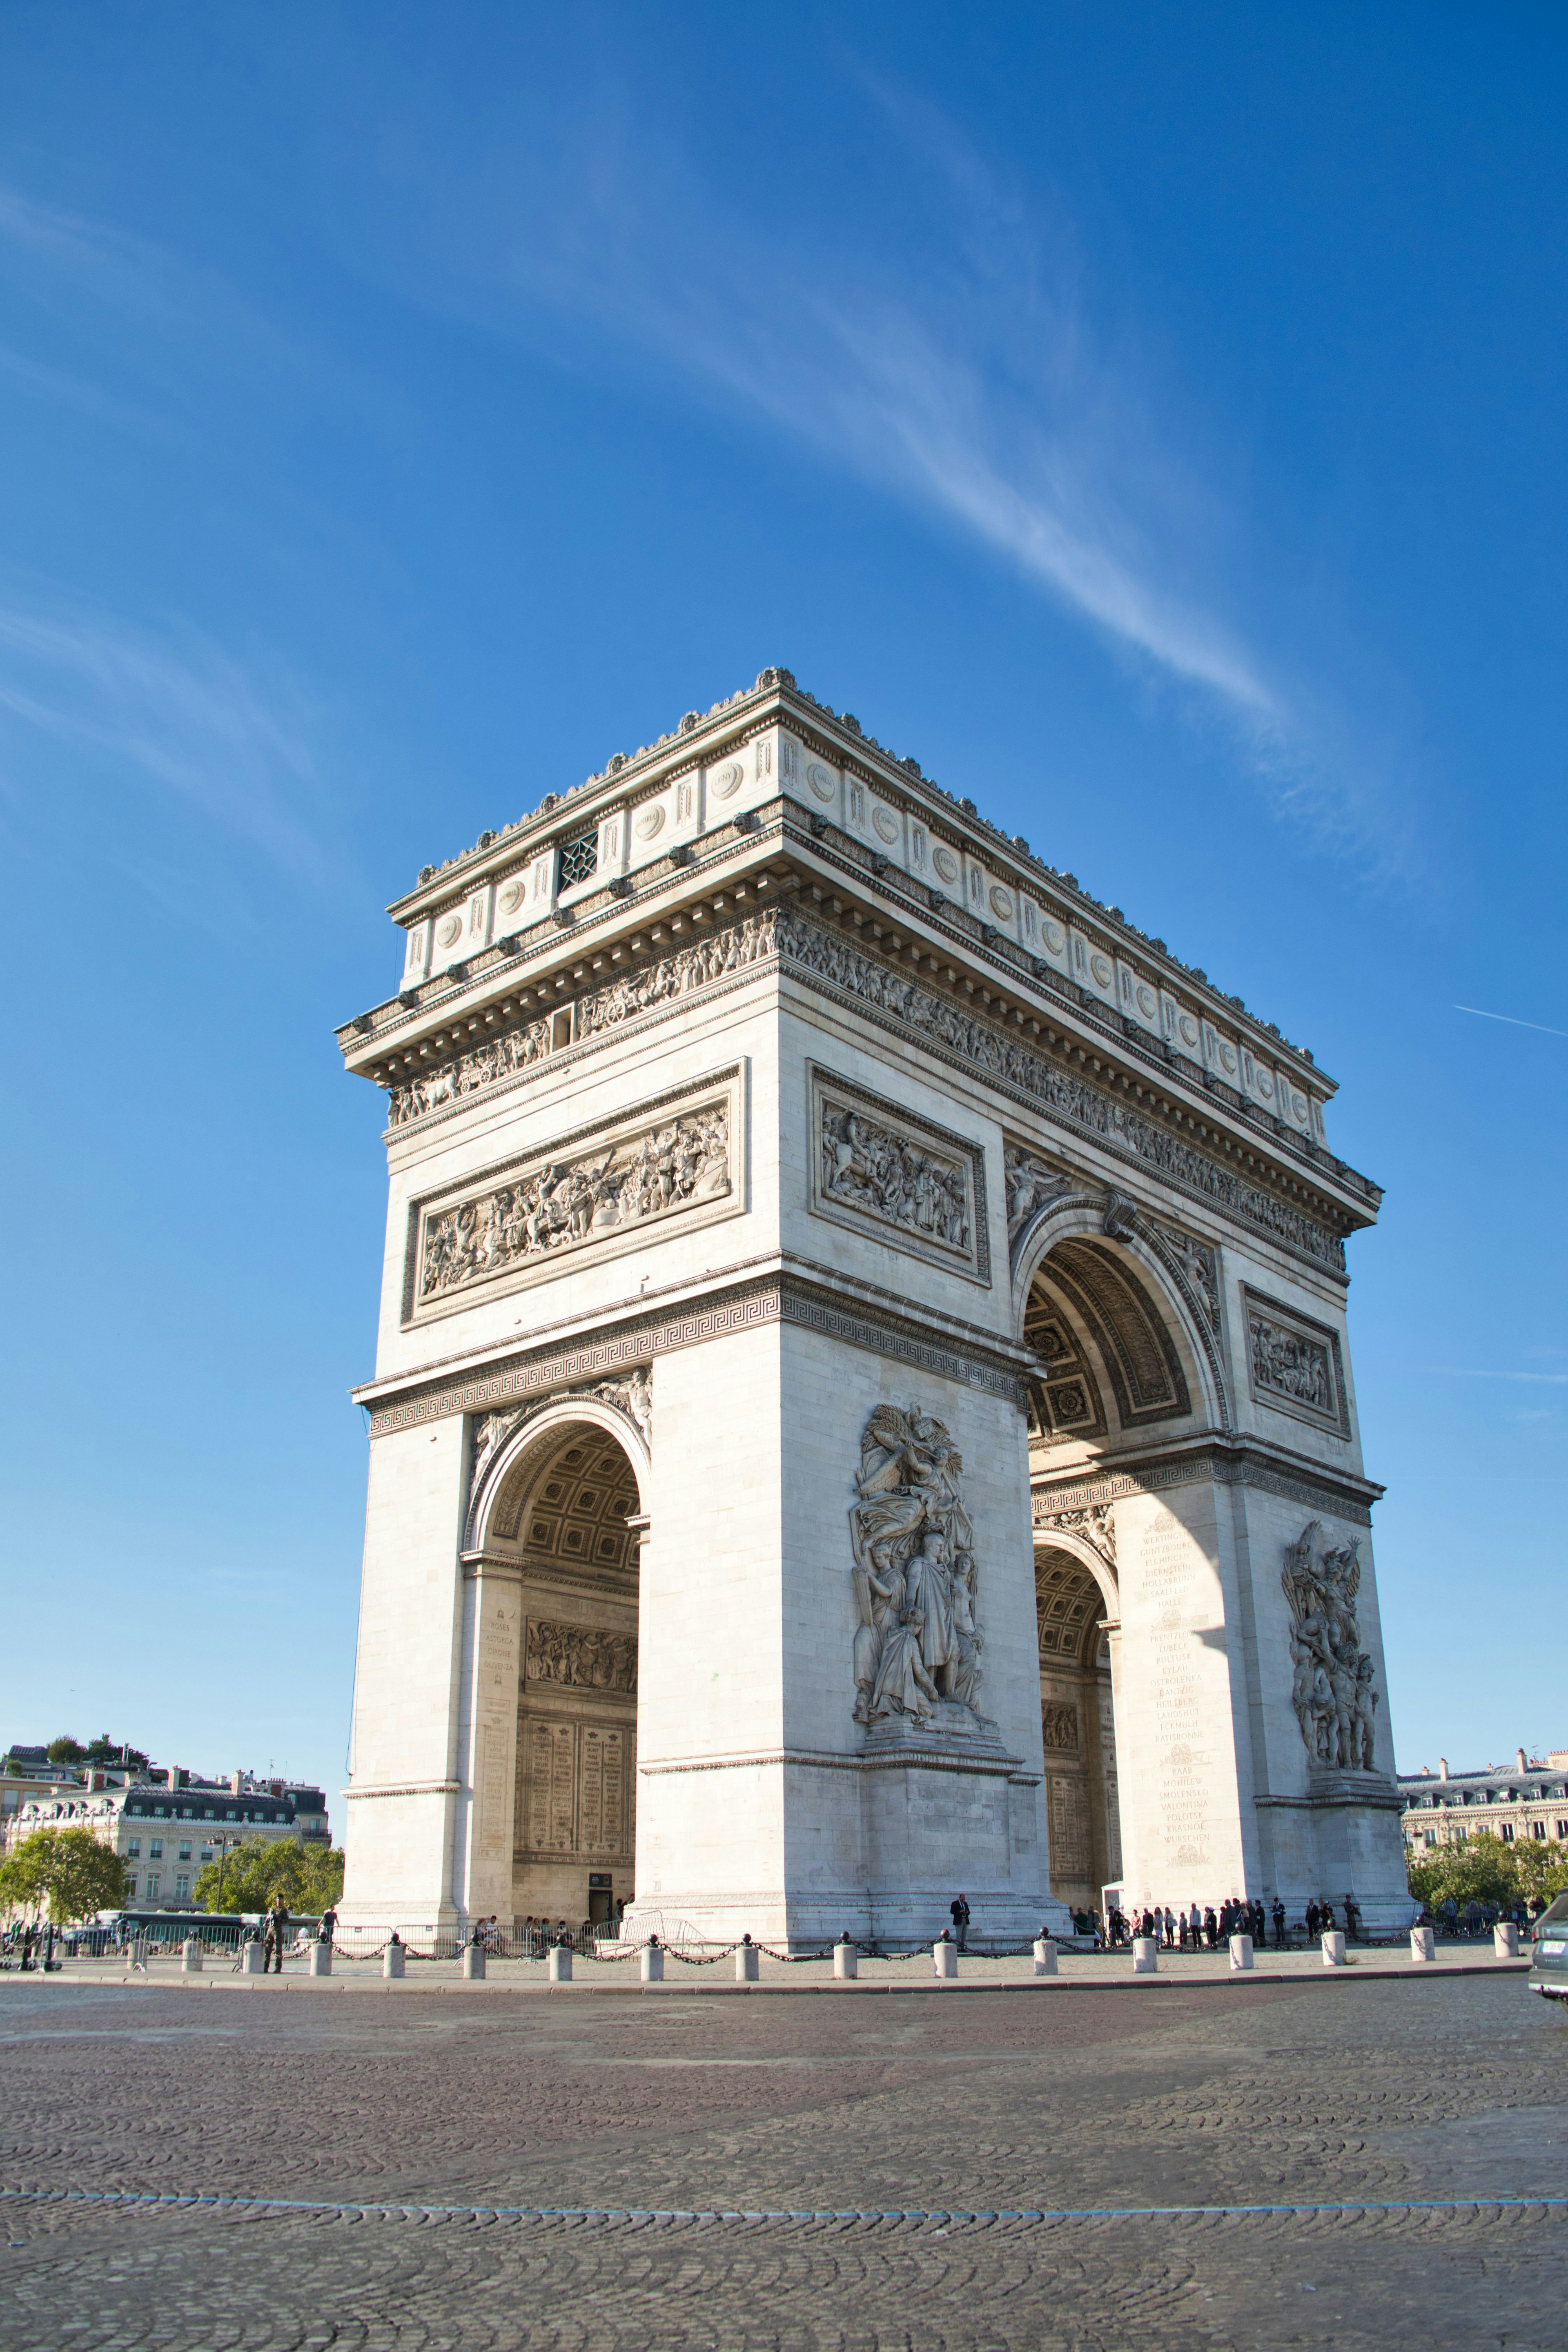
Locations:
(862, 1408)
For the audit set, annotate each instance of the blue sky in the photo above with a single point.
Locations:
(1151, 418)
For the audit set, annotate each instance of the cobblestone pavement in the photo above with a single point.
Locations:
(1382, 2093)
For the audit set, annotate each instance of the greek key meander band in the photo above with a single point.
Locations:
(784, 940)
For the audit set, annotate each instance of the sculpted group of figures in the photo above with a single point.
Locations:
(1291, 1366)
(1333, 1692)
(870, 1167)
(581, 1656)
(575, 1200)
(914, 1571)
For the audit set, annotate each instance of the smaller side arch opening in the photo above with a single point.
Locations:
(1079, 1729)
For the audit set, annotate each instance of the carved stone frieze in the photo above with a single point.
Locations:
(1060, 1726)
(881, 1169)
(582, 1657)
(564, 1204)
(917, 1646)
(998, 1054)
(1332, 1690)
(706, 960)
(1294, 1365)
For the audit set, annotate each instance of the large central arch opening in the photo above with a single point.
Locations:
(1110, 1307)
(565, 1510)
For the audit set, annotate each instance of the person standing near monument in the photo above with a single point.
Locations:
(959, 1907)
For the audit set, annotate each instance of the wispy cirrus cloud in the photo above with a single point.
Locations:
(940, 346)
(172, 709)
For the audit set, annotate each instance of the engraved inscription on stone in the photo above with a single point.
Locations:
(1069, 1829)
(581, 1656)
(602, 1752)
(558, 1205)
(549, 1758)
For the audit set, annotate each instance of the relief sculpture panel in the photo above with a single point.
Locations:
(605, 1189)
(878, 1167)
(580, 1657)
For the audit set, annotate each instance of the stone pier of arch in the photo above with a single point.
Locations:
(862, 1409)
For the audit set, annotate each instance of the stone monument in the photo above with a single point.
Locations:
(862, 1408)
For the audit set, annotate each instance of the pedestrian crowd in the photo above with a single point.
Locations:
(1203, 1928)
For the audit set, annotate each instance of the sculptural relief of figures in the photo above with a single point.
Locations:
(917, 1641)
(560, 1206)
(1291, 1365)
(1030, 1184)
(581, 1656)
(870, 1167)
(729, 951)
(1332, 1688)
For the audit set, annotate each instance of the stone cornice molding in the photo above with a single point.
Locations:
(832, 1307)
(703, 739)
(404, 1789)
(932, 1759)
(1221, 1462)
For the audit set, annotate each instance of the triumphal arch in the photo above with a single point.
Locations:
(862, 1407)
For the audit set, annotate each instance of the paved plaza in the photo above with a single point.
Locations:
(1089, 2099)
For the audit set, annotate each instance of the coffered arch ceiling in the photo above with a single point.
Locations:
(1098, 1327)
(573, 1510)
(1069, 1610)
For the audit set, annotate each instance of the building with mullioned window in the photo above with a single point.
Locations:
(1527, 1800)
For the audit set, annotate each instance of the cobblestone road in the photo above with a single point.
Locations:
(1382, 2093)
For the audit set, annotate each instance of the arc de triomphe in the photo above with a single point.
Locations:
(862, 1407)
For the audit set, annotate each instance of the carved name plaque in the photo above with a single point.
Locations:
(878, 1169)
(603, 1189)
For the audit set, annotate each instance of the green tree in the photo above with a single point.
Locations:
(308, 1877)
(1541, 1866)
(64, 1871)
(104, 1750)
(67, 1750)
(1483, 1869)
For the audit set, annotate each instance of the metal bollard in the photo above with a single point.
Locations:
(190, 1957)
(746, 1958)
(653, 1964)
(559, 1964)
(394, 1959)
(1333, 1949)
(1240, 1952)
(846, 1959)
(1145, 1956)
(1423, 1944)
(253, 1956)
(474, 1963)
(944, 1959)
(1045, 1955)
(1505, 1940)
(321, 1960)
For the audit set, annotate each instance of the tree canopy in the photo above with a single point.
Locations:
(64, 1871)
(1487, 1869)
(308, 1877)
